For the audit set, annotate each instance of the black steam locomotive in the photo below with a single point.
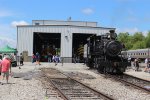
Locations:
(104, 53)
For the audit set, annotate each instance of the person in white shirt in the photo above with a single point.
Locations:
(147, 65)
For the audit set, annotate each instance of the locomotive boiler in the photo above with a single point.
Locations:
(104, 53)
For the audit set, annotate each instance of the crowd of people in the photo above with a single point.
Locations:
(50, 58)
(136, 64)
(6, 63)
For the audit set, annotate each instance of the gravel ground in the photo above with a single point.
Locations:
(115, 89)
(20, 89)
(32, 89)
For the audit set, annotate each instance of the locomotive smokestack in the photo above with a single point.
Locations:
(113, 35)
(112, 31)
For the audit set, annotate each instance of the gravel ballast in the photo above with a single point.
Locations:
(32, 88)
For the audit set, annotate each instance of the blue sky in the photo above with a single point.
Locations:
(125, 15)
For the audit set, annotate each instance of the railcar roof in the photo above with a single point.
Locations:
(138, 50)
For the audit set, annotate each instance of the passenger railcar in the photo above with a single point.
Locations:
(104, 53)
(139, 53)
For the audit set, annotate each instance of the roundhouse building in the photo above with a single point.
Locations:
(64, 38)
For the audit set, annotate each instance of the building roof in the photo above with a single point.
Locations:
(64, 23)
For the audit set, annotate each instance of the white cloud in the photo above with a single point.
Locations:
(7, 41)
(145, 33)
(16, 23)
(131, 30)
(87, 11)
(7, 35)
(7, 31)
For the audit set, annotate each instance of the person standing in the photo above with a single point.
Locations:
(136, 62)
(49, 57)
(146, 65)
(21, 60)
(56, 59)
(6, 67)
(38, 58)
(33, 58)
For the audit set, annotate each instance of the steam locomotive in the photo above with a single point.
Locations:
(104, 53)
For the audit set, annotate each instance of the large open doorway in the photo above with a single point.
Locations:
(79, 40)
(45, 43)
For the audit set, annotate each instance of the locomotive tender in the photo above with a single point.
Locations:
(104, 53)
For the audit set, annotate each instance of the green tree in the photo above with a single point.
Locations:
(125, 38)
(139, 45)
(135, 41)
(138, 36)
(147, 40)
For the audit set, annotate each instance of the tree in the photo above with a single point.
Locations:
(138, 36)
(147, 40)
(125, 38)
(138, 41)
(139, 45)
(135, 41)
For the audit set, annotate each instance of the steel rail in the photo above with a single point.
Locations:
(129, 83)
(60, 92)
(57, 89)
(90, 88)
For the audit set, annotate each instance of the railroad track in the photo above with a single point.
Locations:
(71, 89)
(132, 81)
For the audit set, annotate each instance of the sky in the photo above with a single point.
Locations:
(124, 15)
